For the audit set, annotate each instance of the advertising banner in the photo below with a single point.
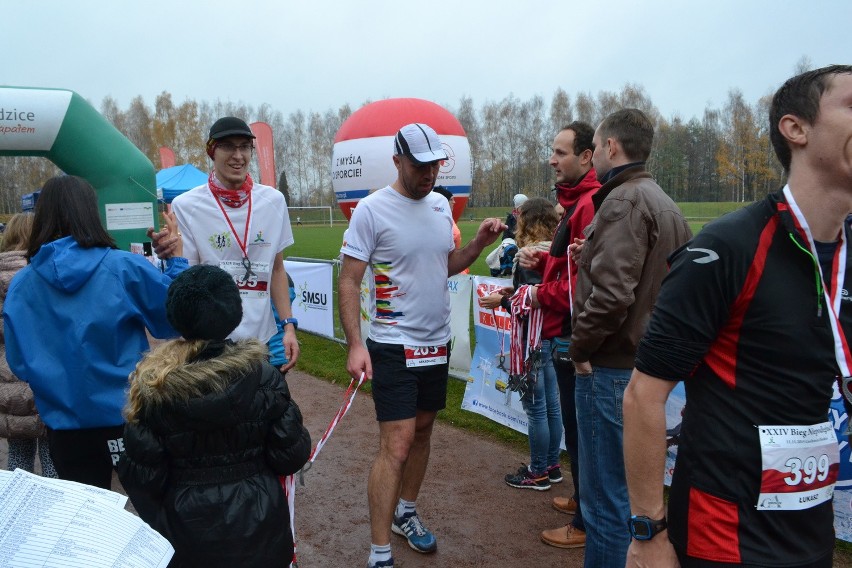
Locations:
(30, 118)
(486, 392)
(313, 303)
(460, 290)
(265, 151)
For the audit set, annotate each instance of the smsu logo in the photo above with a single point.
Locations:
(312, 300)
(844, 295)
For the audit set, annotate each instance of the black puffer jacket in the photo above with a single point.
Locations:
(203, 469)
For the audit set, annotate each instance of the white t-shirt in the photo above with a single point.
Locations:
(407, 243)
(208, 239)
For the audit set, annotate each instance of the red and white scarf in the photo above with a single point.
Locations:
(526, 329)
(234, 198)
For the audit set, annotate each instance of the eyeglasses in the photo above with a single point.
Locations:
(229, 148)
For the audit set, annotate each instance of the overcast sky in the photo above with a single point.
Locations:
(314, 55)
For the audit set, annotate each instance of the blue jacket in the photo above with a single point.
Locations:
(75, 324)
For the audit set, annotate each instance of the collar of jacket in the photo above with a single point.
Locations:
(626, 173)
(568, 195)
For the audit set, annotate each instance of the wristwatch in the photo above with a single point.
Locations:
(294, 321)
(645, 528)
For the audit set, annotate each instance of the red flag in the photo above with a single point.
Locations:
(265, 152)
(167, 157)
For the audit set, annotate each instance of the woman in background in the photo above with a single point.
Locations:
(19, 419)
(537, 220)
(75, 322)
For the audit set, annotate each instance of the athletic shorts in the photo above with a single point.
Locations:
(400, 391)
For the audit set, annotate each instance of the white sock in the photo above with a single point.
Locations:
(379, 553)
(404, 507)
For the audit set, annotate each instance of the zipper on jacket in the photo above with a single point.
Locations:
(819, 286)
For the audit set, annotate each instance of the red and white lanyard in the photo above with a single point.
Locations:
(523, 313)
(243, 244)
(570, 288)
(834, 294)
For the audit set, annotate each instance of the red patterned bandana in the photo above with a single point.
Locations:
(233, 198)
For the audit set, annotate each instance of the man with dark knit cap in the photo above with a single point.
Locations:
(242, 227)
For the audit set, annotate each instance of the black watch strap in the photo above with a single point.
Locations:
(646, 528)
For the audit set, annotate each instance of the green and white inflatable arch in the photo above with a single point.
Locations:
(61, 126)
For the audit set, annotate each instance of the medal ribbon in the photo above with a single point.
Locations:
(833, 295)
(243, 244)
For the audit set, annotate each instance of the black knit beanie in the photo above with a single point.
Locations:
(204, 303)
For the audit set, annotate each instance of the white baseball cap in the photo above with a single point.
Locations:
(519, 199)
(419, 143)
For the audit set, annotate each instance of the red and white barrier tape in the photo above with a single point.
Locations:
(289, 482)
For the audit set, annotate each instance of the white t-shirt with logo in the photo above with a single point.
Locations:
(208, 239)
(406, 243)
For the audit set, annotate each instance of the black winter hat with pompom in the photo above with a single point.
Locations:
(204, 303)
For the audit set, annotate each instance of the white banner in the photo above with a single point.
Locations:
(313, 303)
(460, 289)
(30, 118)
(486, 392)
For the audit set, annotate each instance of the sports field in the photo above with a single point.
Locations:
(322, 241)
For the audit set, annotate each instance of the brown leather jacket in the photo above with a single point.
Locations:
(621, 266)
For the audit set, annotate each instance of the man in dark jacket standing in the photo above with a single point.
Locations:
(621, 266)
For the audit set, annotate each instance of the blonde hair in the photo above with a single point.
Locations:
(537, 220)
(147, 381)
(17, 233)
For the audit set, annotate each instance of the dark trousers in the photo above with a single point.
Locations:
(566, 380)
(86, 455)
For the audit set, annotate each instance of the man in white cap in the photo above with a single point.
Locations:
(242, 227)
(404, 233)
(512, 217)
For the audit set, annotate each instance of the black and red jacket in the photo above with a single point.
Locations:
(742, 321)
(552, 293)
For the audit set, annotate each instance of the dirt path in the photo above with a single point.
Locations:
(478, 520)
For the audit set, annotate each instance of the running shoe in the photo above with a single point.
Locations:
(525, 479)
(554, 473)
(419, 537)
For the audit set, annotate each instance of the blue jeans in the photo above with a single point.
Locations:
(544, 414)
(566, 380)
(606, 507)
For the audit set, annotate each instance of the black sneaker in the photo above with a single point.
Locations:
(525, 479)
(554, 474)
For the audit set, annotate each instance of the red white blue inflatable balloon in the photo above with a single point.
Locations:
(363, 149)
